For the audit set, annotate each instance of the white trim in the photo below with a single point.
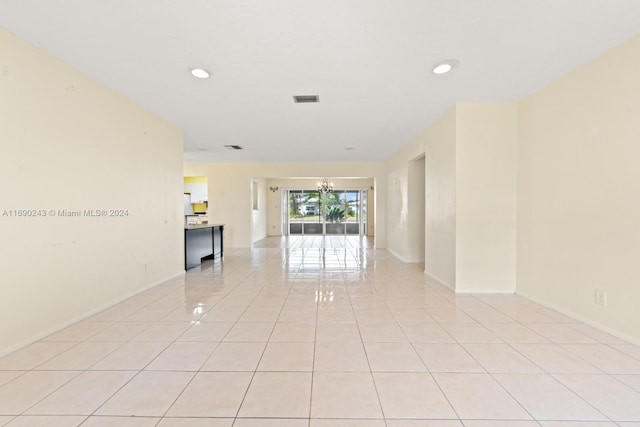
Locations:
(59, 327)
(397, 256)
(286, 195)
(440, 281)
(486, 291)
(586, 321)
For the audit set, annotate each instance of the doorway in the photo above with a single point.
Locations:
(196, 200)
(309, 212)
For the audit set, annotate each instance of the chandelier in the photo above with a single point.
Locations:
(325, 186)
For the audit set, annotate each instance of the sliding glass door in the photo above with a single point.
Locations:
(339, 212)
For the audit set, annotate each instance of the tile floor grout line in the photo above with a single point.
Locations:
(313, 360)
(161, 417)
(545, 372)
(253, 375)
(553, 376)
(373, 380)
(428, 371)
(143, 369)
(390, 282)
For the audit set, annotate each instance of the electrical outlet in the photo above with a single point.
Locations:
(601, 298)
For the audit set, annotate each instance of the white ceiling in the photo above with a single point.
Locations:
(369, 61)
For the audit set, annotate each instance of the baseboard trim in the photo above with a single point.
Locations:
(66, 324)
(577, 317)
(440, 281)
(486, 292)
(392, 252)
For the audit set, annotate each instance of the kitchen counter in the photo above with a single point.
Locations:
(198, 226)
(202, 242)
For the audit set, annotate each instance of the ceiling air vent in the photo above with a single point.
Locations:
(233, 147)
(299, 99)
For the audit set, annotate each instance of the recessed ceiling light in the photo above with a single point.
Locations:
(349, 148)
(445, 66)
(200, 73)
(233, 147)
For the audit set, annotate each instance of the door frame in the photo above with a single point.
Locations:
(362, 212)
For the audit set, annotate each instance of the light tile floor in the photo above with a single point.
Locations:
(321, 332)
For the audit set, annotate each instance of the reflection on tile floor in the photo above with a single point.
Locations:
(321, 332)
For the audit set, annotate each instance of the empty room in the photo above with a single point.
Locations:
(305, 213)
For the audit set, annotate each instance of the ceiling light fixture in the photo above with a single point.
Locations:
(200, 73)
(325, 186)
(233, 147)
(445, 66)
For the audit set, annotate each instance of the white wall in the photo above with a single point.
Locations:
(417, 209)
(440, 159)
(438, 145)
(557, 173)
(486, 139)
(397, 207)
(470, 196)
(230, 195)
(579, 192)
(69, 143)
